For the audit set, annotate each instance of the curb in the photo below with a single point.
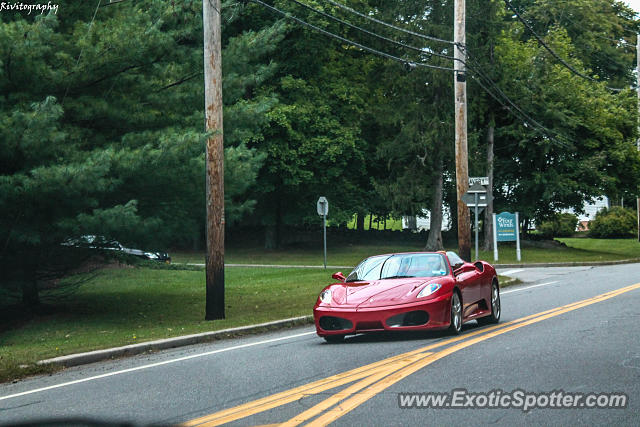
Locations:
(569, 264)
(133, 349)
(509, 282)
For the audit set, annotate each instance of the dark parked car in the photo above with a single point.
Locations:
(101, 242)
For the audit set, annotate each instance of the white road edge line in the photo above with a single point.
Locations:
(193, 356)
(508, 272)
(152, 365)
(528, 287)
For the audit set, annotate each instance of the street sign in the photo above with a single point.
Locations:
(477, 188)
(506, 227)
(482, 180)
(469, 198)
(477, 199)
(323, 206)
(323, 209)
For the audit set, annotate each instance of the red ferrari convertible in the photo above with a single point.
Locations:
(406, 292)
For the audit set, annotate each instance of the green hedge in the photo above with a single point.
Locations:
(560, 225)
(614, 222)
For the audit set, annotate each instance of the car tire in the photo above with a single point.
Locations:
(334, 339)
(494, 317)
(455, 326)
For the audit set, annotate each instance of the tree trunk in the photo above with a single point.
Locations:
(360, 221)
(279, 222)
(412, 223)
(270, 237)
(488, 212)
(434, 241)
(30, 297)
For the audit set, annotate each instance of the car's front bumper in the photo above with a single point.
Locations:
(406, 317)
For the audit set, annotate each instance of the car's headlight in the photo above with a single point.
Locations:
(325, 296)
(428, 290)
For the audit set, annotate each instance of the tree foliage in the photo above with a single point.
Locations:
(101, 117)
(614, 222)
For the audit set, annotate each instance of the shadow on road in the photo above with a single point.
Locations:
(390, 336)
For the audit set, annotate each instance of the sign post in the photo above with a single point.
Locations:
(477, 199)
(506, 228)
(323, 209)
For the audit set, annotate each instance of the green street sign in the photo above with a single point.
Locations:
(506, 227)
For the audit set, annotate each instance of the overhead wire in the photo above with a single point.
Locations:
(371, 33)
(386, 24)
(66, 91)
(552, 52)
(489, 86)
(348, 41)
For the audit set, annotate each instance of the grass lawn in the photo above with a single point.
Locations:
(578, 249)
(624, 248)
(345, 255)
(129, 305)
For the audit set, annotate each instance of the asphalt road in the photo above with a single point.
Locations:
(571, 329)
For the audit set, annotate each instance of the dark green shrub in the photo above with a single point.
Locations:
(560, 225)
(614, 222)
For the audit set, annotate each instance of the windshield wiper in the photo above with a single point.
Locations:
(398, 277)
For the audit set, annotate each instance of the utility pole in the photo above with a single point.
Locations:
(638, 142)
(462, 157)
(214, 159)
(488, 212)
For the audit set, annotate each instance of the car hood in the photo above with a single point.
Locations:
(380, 293)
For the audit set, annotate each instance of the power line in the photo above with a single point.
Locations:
(82, 50)
(500, 97)
(505, 101)
(622, 42)
(348, 41)
(512, 107)
(489, 86)
(552, 52)
(371, 33)
(386, 24)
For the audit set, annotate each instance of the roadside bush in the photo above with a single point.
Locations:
(560, 225)
(614, 222)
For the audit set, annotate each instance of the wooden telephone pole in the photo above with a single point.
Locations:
(638, 143)
(462, 157)
(214, 159)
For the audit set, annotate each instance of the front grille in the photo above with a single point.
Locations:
(410, 318)
(331, 323)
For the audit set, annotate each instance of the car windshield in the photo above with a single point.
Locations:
(399, 266)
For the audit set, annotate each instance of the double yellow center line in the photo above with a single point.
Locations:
(369, 380)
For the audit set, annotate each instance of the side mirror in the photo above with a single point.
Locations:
(457, 268)
(339, 276)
